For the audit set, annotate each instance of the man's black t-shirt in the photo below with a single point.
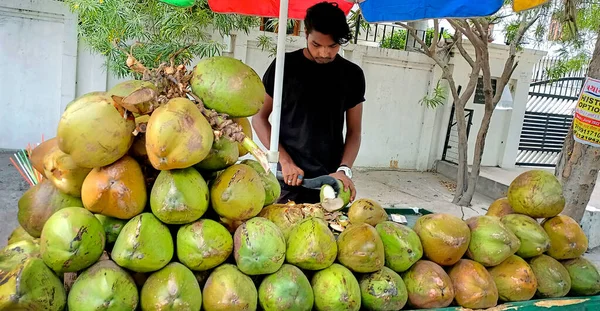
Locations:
(314, 101)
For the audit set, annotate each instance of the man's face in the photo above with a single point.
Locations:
(322, 47)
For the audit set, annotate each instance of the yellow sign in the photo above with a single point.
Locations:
(522, 5)
(586, 122)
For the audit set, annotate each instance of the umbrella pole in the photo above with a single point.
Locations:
(273, 154)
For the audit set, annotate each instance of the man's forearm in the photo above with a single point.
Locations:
(263, 131)
(351, 148)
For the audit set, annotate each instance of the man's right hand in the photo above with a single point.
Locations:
(292, 174)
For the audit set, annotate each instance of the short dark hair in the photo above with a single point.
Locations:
(327, 18)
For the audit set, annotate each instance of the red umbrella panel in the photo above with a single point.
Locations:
(270, 8)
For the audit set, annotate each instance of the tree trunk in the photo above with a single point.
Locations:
(578, 164)
(462, 181)
(478, 153)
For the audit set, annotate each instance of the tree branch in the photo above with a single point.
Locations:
(467, 31)
(463, 52)
(480, 29)
(436, 35)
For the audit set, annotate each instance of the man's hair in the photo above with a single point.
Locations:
(327, 18)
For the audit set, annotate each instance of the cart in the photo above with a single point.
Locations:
(589, 303)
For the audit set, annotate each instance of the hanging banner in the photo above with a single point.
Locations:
(522, 5)
(586, 122)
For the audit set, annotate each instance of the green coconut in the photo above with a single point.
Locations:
(177, 135)
(18, 252)
(179, 196)
(63, 172)
(225, 282)
(514, 279)
(95, 131)
(552, 277)
(311, 245)
(286, 289)
(567, 239)
(428, 285)
(104, 286)
(336, 288)
(228, 86)
(203, 245)
(112, 226)
(474, 286)
(72, 240)
(492, 242)
(31, 285)
(38, 203)
(224, 153)
(534, 240)
(585, 279)
(144, 244)
(536, 193)
(366, 211)
(360, 248)
(237, 193)
(383, 290)
(401, 245)
(173, 287)
(269, 181)
(445, 238)
(258, 247)
(19, 234)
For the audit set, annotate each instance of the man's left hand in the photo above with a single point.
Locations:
(348, 184)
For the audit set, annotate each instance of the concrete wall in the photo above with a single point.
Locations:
(397, 132)
(38, 55)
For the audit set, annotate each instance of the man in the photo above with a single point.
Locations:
(321, 90)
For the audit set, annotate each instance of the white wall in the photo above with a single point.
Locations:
(38, 54)
(397, 131)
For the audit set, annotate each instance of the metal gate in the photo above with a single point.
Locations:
(450, 153)
(548, 115)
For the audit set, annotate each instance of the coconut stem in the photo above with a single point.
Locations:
(260, 155)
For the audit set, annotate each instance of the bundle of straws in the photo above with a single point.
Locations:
(22, 162)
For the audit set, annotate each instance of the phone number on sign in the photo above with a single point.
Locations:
(586, 134)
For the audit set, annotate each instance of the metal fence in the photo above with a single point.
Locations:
(549, 114)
